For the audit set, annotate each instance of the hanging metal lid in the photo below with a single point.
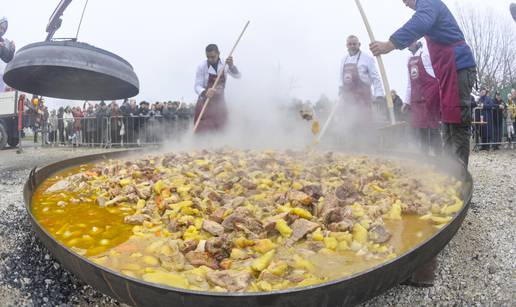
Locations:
(69, 69)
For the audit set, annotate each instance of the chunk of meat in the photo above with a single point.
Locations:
(219, 247)
(346, 190)
(237, 202)
(211, 194)
(246, 183)
(212, 227)
(269, 277)
(189, 245)
(144, 192)
(231, 280)
(315, 245)
(118, 199)
(128, 189)
(136, 219)
(242, 218)
(379, 234)
(198, 259)
(313, 190)
(301, 197)
(300, 228)
(344, 225)
(218, 215)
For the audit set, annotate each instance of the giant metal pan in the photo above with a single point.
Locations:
(341, 292)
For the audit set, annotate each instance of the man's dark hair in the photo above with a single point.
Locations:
(212, 47)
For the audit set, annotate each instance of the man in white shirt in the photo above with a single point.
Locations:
(358, 74)
(216, 114)
(423, 97)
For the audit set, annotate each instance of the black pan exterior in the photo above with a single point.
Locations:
(71, 70)
(347, 291)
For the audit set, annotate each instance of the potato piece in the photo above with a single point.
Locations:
(263, 262)
(440, 220)
(303, 264)
(278, 268)
(449, 210)
(169, 279)
(125, 181)
(395, 212)
(150, 260)
(283, 228)
(342, 246)
(342, 236)
(263, 246)
(238, 254)
(359, 233)
(317, 235)
(357, 210)
(264, 286)
(330, 243)
(158, 186)
(243, 242)
(303, 213)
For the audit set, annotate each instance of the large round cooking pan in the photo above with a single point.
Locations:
(71, 70)
(341, 292)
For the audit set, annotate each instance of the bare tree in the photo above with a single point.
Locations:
(492, 37)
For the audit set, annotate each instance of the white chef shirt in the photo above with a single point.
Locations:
(366, 69)
(203, 72)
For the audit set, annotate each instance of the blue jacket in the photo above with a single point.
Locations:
(433, 18)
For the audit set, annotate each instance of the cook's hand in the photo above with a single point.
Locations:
(379, 48)
(229, 62)
(404, 108)
(211, 92)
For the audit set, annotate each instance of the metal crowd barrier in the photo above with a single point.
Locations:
(116, 131)
(489, 128)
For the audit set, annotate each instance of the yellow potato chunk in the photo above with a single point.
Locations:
(263, 262)
(283, 228)
(359, 233)
(169, 279)
(263, 246)
(330, 243)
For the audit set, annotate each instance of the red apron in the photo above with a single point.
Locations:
(443, 62)
(424, 99)
(216, 114)
(358, 92)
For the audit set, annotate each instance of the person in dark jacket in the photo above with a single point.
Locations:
(60, 125)
(487, 131)
(453, 63)
(455, 69)
(498, 120)
(101, 116)
(397, 104)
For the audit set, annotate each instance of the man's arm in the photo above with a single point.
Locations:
(421, 22)
(199, 81)
(232, 70)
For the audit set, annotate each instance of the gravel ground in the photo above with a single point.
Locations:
(477, 268)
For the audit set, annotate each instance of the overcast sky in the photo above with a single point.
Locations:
(290, 43)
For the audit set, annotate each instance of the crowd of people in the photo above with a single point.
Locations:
(108, 124)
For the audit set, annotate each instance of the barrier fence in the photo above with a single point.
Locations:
(491, 128)
(118, 131)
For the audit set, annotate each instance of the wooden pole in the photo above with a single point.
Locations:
(383, 72)
(219, 75)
